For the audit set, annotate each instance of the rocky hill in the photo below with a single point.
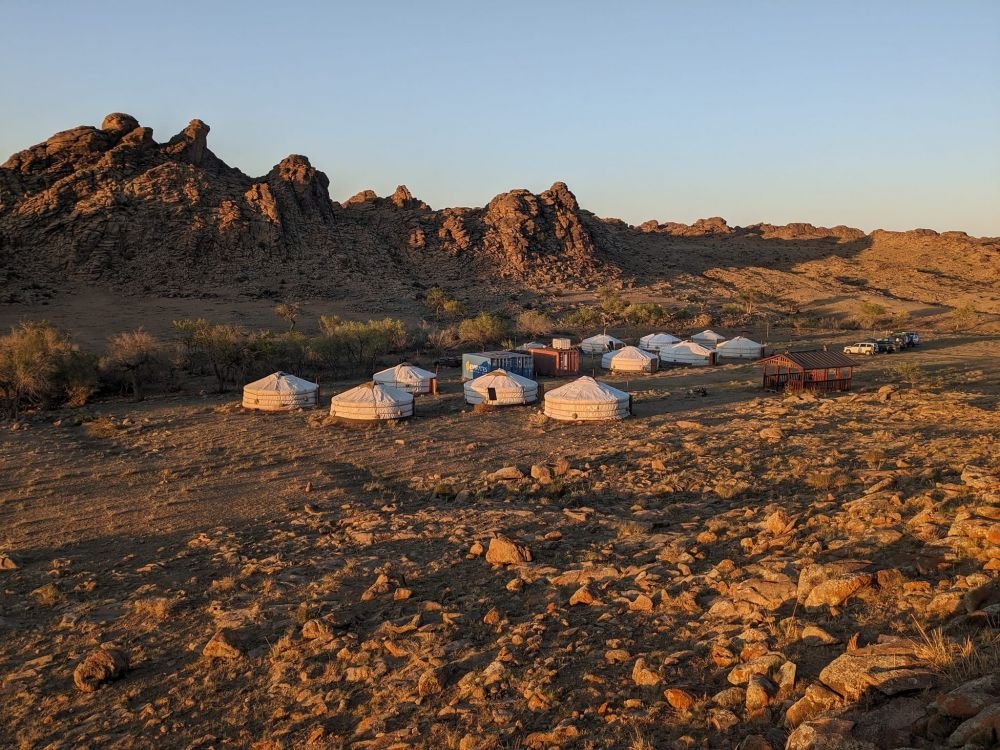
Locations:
(112, 206)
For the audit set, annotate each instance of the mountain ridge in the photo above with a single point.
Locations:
(110, 205)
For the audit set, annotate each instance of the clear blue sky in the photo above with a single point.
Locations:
(873, 114)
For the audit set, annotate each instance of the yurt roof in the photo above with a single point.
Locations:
(709, 334)
(406, 373)
(602, 338)
(694, 347)
(659, 338)
(281, 382)
(585, 390)
(374, 393)
(737, 341)
(498, 376)
(631, 352)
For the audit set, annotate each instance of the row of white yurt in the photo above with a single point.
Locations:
(501, 388)
(409, 378)
(630, 359)
(587, 399)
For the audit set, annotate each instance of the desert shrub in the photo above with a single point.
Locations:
(40, 365)
(644, 313)
(909, 372)
(682, 314)
(356, 343)
(581, 317)
(288, 312)
(964, 317)
(611, 303)
(137, 357)
(227, 351)
(534, 323)
(484, 329)
(750, 298)
(870, 314)
(441, 339)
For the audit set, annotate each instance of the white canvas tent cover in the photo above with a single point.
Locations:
(586, 399)
(600, 343)
(740, 347)
(501, 388)
(280, 391)
(407, 377)
(708, 337)
(629, 359)
(372, 401)
(529, 346)
(687, 353)
(653, 342)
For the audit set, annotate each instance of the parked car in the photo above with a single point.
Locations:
(912, 337)
(886, 345)
(863, 347)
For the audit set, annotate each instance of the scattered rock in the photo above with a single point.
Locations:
(222, 646)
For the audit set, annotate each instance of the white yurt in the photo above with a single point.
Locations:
(409, 378)
(600, 343)
(280, 391)
(708, 338)
(688, 353)
(501, 388)
(740, 347)
(630, 359)
(653, 342)
(372, 401)
(587, 399)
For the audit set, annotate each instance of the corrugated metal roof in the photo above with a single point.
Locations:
(816, 359)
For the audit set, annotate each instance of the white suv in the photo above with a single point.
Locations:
(865, 347)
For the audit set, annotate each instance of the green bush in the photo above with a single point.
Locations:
(485, 328)
(581, 317)
(357, 343)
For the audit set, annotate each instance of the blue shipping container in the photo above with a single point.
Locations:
(480, 363)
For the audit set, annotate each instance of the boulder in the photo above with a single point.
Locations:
(504, 551)
(100, 667)
(890, 667)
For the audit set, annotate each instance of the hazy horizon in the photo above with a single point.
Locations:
(875, 117)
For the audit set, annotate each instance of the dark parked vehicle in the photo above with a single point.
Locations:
(911, 338)
(886, 346)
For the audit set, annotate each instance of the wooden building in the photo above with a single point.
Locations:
(557, 362)
(815, 370)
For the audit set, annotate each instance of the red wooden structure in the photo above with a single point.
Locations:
(816, 370)
(556, 362)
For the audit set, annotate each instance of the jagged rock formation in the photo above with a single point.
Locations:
(110, 205)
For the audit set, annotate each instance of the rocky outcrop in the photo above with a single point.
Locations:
(110, 205)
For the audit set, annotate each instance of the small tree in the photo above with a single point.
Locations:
(138, 356)
(909, 372)
(288, 312)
